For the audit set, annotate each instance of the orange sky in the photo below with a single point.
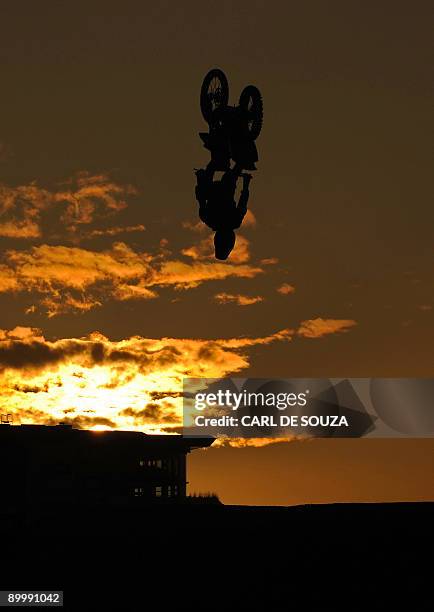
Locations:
(109, 293)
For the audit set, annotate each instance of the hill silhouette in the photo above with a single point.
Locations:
(211, 556)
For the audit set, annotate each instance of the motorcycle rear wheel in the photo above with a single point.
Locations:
(251, 103)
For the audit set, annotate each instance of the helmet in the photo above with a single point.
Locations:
(224, 242)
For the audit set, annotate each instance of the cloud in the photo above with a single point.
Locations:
(8, 280)
(73, 279)
(66, 303)
(94, 382)
(194, 226)
(240, 300)
(204, 250)
(45, 267)
(283, 334)
(269, 261)
(93, 195)
(285, 289)
(114, 231)
(249, 219)
(316, 328)
(21, 333)
(153, 414)
(62, 278)
(27, 211)
(186, 276)
(251, 442)
(24, 228)
(138, 291)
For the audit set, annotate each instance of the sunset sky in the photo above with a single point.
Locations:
(109, 292)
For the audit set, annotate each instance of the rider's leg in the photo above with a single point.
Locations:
(231, 175)
(210, 169)
(229, 181)
(237, 169)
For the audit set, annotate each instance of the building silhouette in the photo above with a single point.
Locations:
(44, 467)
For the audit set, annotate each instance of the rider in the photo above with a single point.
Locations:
(217, 207)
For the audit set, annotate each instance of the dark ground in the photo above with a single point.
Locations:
(213, 557)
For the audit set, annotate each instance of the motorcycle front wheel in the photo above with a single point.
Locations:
(214, 93)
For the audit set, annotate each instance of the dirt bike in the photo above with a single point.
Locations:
(232, 129)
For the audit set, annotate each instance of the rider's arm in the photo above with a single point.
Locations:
(204, 179)
(202, 191)
(200, 194)
(242, 205)
(244, 196)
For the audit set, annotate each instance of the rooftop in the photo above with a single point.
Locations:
(45, 434)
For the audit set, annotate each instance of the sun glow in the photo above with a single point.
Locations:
(98, 384)
(98, 392)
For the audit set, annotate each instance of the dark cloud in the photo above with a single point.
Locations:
(153, 413)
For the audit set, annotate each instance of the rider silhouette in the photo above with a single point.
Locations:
(217, 206)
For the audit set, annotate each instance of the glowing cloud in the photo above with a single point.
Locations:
(285, 289)
(80, 201)
(205, 250)
(114, 231)
(76, 279)
(251, 442)
(316, 328)
(91, 382)
(240, 300)
(25, 228)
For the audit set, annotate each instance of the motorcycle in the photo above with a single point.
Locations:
(232, 129)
